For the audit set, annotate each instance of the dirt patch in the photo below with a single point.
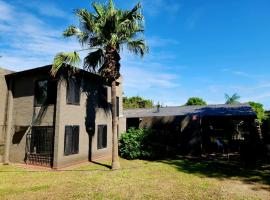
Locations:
(236, 187)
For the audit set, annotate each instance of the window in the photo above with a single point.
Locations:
(71, 140)
(45, 92)
(102, 136)
(102, 97)
(73, 91)
(41, 140)
(41, 92)
(117, 106)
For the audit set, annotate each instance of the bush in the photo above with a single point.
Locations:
(147, 144)
(133, 144)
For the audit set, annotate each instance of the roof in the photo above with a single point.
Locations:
(4, 71)
(47, 68)
(209, 110)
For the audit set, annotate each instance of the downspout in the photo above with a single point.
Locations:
(8, 122)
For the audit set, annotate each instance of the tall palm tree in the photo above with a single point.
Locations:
(232, 99)
(104, 34)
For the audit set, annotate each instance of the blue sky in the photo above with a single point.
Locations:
(199, 48)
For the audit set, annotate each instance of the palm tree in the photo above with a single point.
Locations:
(104, 34)
(232, 99)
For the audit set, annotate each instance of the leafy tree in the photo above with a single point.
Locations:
(195, 101)
(137, 102)
(234, 99)
(104, 33)
(258, 108)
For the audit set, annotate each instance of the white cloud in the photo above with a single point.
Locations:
(150, 78)
(48, 9)
(29, 41)
(5, 11)
(243, 74)
(257, 97)
(155, 7)
(143, 79)
(194, 18)
(161, 42)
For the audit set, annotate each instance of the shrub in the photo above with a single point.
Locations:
(132, 144)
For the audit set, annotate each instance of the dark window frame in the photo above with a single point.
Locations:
(78, 86)
(117, 106)
(51, 92)
(102, 97)
(102, 140)
(74, 144)
(41, 140)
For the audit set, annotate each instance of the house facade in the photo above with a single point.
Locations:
(199, 129)
(58, 121)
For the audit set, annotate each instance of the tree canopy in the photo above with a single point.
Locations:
(104, 33)
(195, 101)
(258, 108)
(137, 102)
(234, 99)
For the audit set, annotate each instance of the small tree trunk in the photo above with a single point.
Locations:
(115, 158)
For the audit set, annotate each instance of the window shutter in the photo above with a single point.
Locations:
(73, 91)
(68, 140)
(100, 130)
(117, 106)
(71, 140)
(102, 136)
(76, 130)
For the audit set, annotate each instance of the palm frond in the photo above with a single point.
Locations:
(232, 99)
(236, 96)
(100, 10)
(71, 31)
(74, 31)
(86, 19)
(138, 47)
(134, 13)
(65, 59)
(111, 6)
(93, 60)
(227, 97)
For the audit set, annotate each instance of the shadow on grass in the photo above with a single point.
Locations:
(221, 169)
(101, 164)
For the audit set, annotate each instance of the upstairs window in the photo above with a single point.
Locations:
(102, 100)
(45, 92)
(73, 91)
(71, 140)
(102, 137)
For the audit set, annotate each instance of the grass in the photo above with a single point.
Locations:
(165, 179)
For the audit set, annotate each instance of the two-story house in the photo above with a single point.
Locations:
(57, 121)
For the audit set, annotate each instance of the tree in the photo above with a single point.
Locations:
(137, 102)
(105, 33)
(258, 109)
(232, 99)
(195, 101)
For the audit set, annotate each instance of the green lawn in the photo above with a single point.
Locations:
(165, 179)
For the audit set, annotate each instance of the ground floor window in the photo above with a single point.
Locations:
(71, 140)
(39, 145)
(102, 136)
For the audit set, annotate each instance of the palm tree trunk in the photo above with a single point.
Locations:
(115, 158)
